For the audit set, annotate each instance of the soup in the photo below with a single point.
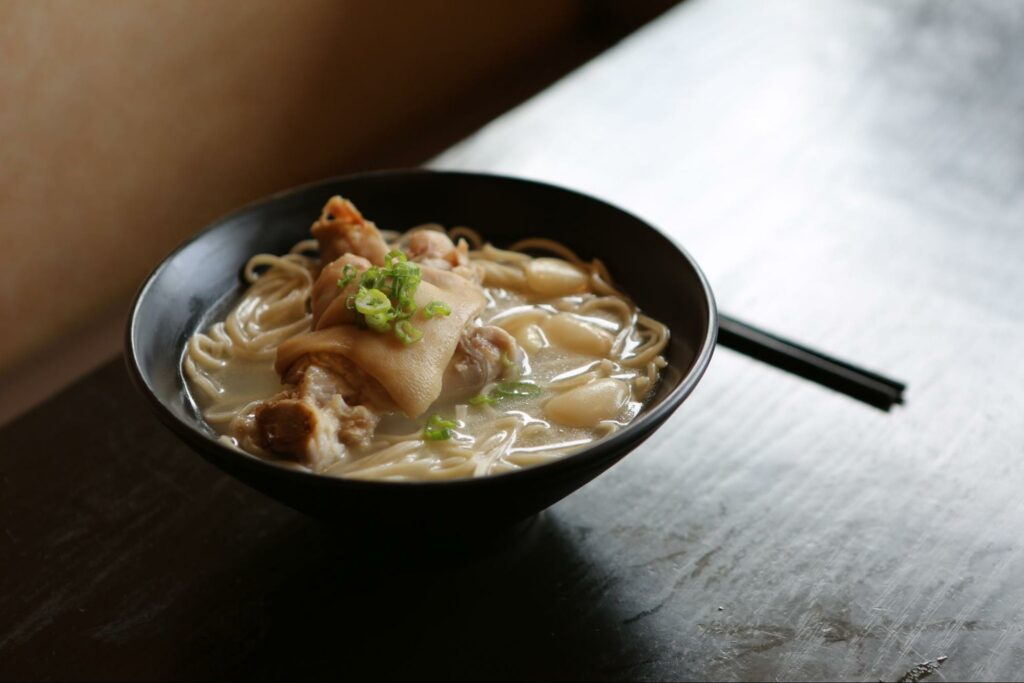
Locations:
(422, 355)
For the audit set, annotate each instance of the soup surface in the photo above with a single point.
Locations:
(422, 355)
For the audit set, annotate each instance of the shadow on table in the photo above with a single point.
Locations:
(523, 604)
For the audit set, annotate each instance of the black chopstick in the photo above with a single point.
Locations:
(864, 385)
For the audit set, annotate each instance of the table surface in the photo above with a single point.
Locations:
(848, 174)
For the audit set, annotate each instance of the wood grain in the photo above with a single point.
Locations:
(850, 175)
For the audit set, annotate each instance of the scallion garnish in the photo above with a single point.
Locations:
(372, 302)
(507, 390)
(386, 297)
(407, 333)
(436, 308)
(438, 429)
(517, 390)
(348, 274)
(379, 322)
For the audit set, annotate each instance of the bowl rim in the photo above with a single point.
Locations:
(640, 427)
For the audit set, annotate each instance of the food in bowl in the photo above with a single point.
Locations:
(422, 355)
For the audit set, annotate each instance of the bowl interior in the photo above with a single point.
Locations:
(197, 282)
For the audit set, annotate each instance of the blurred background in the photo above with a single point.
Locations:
(127, 126)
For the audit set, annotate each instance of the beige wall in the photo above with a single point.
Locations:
(125, 126)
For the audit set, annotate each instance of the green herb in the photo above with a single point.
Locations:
(407, 333)
(436, 308)
(517, 390)
(372, 302)
(506, 360)
(386, 298)
(379, 322)
(372, 278)
(348, 274)
(507, 390)
(438, 429)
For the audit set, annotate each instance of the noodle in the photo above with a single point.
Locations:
(230, 371)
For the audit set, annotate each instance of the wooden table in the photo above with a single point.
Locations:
(848, 174)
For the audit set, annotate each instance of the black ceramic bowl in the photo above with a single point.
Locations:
(195, 285)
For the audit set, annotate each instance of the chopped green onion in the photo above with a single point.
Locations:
(507, 390)
(436, 308)
(406, 332)
(378, 322)
(438, 429)
(386, 297)
(405, 279)
(348, 274)
(372, 302)
(517, 390)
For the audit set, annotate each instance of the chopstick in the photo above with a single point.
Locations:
(863, 385)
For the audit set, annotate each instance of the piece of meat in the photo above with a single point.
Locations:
(340, 377)
(316, 436)
(322, 376)
(343, 230)
(412, 374)
(435, 249)
(285, 427)
(327, 406)
(484, 354)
